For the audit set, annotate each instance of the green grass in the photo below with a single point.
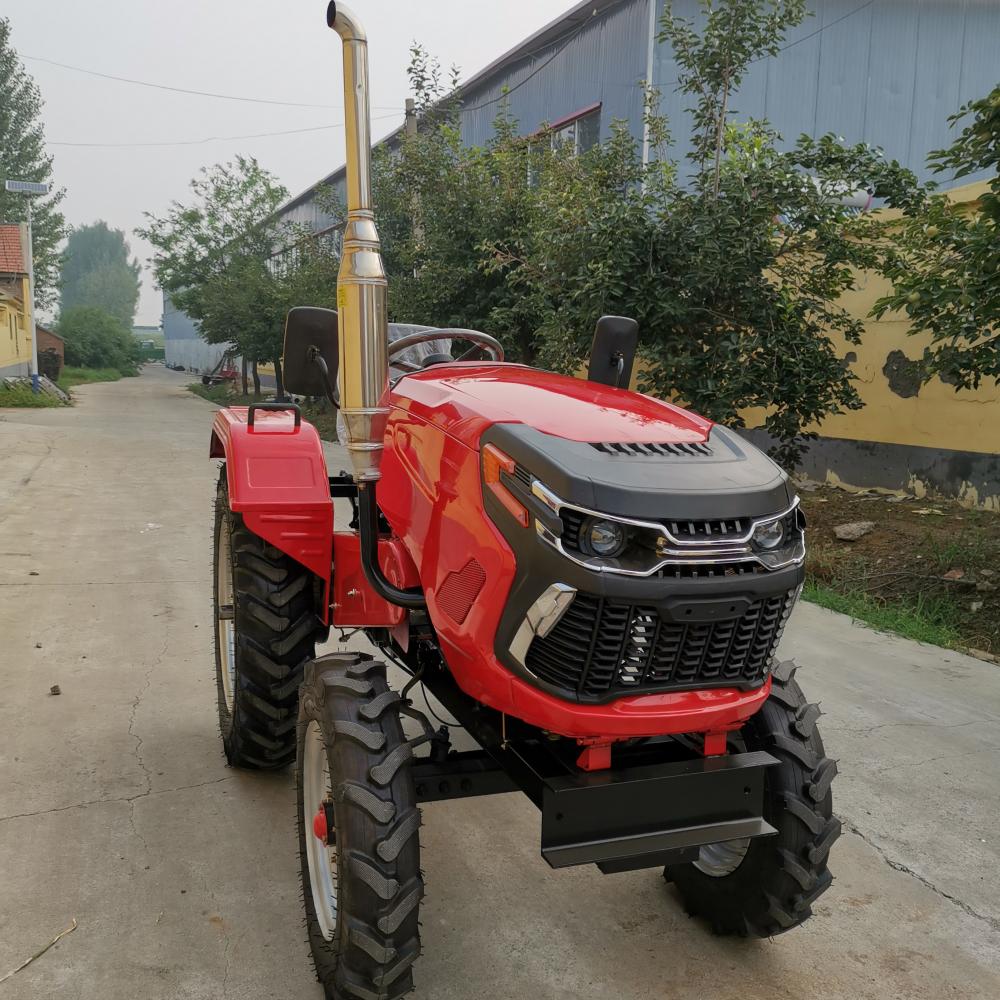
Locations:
(80, 376)
(934, 620)
(221, 394)
(324, 420)
(22, 396)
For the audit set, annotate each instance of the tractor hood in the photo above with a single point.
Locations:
(465, 399)
(604, 449)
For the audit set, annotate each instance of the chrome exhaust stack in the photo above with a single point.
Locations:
(361, 282)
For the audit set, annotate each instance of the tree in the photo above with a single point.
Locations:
(946, 276)
(97, 271)
(214, 257)
(732, 262)
(23, 157)
(96, 339)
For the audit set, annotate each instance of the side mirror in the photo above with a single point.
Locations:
(612, 352)
(311, 353)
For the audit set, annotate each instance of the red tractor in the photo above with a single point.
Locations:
(592, 582)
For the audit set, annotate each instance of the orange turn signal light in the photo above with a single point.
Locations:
(495, 462)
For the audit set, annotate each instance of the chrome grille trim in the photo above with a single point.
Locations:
(715, 550)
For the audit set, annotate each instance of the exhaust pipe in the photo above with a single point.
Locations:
(362, 310)
(361, 283)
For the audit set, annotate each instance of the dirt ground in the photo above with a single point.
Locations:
(927, 560)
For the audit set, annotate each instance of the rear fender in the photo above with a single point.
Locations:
(278, 482)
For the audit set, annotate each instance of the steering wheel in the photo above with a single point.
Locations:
(481, 340)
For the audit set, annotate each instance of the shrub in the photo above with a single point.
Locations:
(95, 339)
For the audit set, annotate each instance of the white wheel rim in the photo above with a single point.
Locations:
(224, 609)
(723, 858)
(321, 857)
(719, 860)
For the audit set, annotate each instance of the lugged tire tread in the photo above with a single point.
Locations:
(276, 628)
(781, 876)
(377, 939)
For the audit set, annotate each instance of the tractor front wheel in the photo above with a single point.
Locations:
(767, 885)
(265, 632)
(358, 822)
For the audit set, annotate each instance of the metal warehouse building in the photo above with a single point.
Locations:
(885, 72)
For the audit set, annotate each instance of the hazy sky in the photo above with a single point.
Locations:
(250, 48)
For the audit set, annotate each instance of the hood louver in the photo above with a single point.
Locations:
(646, 450)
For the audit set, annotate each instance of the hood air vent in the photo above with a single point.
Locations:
(644, 450)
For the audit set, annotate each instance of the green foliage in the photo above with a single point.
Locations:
(228, 265)
(946, 276)
(97, 271)
(734, 274)
(213, 256)
(23, 157)
(96, 339)
(22, 396)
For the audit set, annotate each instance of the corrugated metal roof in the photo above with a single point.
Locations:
(11, 256)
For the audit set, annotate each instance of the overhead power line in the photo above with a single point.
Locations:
(211, 138)
(185, 90)
(819, 30)
(565, 40)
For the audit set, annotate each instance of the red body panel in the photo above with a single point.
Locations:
(354, 602)
(431, 494)
(277, 480)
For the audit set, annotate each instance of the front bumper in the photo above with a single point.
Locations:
(647, 815)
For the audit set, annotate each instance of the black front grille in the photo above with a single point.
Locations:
(601, 648)
(715, 530)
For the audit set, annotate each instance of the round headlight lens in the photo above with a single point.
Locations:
(769, 536)
(603, 538)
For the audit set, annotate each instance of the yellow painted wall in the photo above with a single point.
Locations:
(938, 416)
(15, 329)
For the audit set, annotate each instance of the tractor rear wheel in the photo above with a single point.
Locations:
(265, 632)
(767, 885)
(358, 822)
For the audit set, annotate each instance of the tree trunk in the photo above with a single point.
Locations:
(245, 376)
(256, 379)
(279, 392)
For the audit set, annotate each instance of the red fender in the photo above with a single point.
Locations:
(278, 481)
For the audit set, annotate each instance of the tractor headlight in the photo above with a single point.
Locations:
(604, 538)
(769, 536)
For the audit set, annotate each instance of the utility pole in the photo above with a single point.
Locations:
(30, 188)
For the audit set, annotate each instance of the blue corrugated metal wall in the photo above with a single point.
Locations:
(889, 73)
(604, 61)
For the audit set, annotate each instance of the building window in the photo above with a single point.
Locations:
(581, 130)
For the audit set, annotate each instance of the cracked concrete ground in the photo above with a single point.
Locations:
(116, 807)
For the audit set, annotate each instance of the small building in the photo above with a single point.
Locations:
(51, 353)
(15, 320)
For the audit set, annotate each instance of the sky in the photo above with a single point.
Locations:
(248, 48)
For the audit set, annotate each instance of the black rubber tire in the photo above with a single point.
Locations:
(276, 628)
(781, 876)
(379, 886)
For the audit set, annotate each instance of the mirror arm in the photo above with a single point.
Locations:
(316, 356)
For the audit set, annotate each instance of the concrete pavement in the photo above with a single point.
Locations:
(117, 809)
